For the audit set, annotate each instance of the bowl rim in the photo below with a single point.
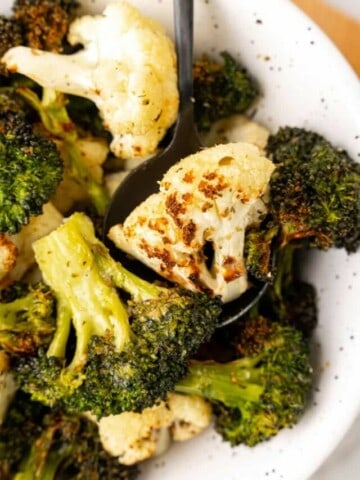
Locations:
(351, 97)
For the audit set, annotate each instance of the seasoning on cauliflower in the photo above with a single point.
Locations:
(127, 68)
(205, 203)
(134, 437)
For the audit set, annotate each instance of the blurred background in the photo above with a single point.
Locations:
(340, 19)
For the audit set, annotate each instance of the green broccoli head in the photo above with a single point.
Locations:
(54, 445)
(264, 390)
(165, 330)
(26, 318)
(44, 23)
(315, 190)
(31, 169)
(122, 357)
(245, 426)
(221, 89)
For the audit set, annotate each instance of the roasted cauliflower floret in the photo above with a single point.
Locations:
(8, 255)
(127, 68)
(237, 128)
(191, 415)
(134, 437)
(205, 203)
(16, 252)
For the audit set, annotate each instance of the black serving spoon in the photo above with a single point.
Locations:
(141, 182)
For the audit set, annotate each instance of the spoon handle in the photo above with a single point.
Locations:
(183, 21)
(185, 140)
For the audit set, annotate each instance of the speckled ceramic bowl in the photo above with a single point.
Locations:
(305, 82)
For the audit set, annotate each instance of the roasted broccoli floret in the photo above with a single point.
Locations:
(31, 169)
(27, 319)
(314, 202)
(120, 359)
(37, 443)
(39, 24)
(221, 89)
(315, 190)
(261, 392)
(21, 426)
(44, 23)
(11, 35)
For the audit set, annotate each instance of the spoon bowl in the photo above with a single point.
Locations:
(143, 180)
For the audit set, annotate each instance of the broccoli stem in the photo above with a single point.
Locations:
(54, 461)
(97, 312)
(51, 111)
(284, 272)
(138, 288)
(40, 464)
(57, 347)
(283, 278)
(230, 383)
(54, 116)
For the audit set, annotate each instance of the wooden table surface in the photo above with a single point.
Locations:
(343, 30)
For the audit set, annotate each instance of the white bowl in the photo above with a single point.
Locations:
(305, 82)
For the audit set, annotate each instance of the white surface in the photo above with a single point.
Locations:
(344, 462)
(303, 78)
